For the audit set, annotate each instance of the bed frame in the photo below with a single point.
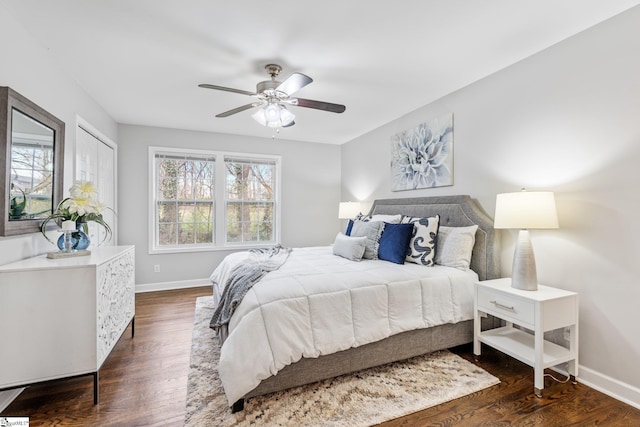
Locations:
(454, 211)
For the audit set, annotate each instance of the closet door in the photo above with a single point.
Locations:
(96, 162)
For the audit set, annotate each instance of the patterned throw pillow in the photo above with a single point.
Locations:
(391, 219)
(423, 241)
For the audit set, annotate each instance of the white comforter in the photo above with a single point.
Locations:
(318, 303)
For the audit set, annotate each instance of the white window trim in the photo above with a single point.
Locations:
(219, 219)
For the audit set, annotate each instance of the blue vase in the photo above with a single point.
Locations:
(79, 239)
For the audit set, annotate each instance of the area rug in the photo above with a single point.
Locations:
(365, 398)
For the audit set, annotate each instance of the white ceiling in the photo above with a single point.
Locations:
(142, 59)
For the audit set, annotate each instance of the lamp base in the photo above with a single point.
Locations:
(523, 275)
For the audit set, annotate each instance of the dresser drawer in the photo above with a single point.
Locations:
(507, 307)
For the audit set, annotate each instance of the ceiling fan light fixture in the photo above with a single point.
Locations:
(274, 115)
(286, 116)
(259, 117)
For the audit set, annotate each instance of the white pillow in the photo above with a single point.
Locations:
(391, 219)
(454, 246)
(349, 247)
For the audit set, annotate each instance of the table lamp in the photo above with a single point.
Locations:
(349, 210)
(525, 210)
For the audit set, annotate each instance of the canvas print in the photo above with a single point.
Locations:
(422, 157)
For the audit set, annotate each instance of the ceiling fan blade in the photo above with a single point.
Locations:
(320, 105)
(226, 89)
(294, 83)
(238, 110)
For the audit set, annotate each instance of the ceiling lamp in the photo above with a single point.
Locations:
(274, 115)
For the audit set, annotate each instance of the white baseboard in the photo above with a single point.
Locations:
(166, 286)
(6, 397)
(610, 386)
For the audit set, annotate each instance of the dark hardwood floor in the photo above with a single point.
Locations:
(144, 383)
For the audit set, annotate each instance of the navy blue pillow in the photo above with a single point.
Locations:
(394, 242)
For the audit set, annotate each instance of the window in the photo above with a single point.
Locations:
(184, 199)
(250, 202)
(203, 200)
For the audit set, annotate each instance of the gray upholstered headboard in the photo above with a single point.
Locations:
(454, 211)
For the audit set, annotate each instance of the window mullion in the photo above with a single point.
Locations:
(220, 215)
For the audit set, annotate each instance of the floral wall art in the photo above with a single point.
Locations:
(422, 157)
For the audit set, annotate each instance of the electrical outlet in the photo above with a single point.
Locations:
(156, 268)
(567, 334)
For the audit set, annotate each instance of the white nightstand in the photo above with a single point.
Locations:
(540, 311)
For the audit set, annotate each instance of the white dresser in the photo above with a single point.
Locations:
(62, 317)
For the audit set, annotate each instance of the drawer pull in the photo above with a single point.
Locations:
(504, 307)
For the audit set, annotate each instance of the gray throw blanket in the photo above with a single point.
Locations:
(243, 277)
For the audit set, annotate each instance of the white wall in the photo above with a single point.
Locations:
(566, 120)
(310, 194)
(29, 70)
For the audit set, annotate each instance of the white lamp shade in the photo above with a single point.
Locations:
(272, 113)
(349, 210)
(526, 210)
(286, 116)
(259, 117)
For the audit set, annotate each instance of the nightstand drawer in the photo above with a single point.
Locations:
(506, 307)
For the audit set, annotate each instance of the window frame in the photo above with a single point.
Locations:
(219, 200)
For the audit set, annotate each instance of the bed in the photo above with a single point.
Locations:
(360, 345)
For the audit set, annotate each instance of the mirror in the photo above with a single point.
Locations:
(31, 158)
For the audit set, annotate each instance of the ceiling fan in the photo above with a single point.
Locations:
(273, 97)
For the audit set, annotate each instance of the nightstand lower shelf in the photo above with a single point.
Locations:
(520, 345)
